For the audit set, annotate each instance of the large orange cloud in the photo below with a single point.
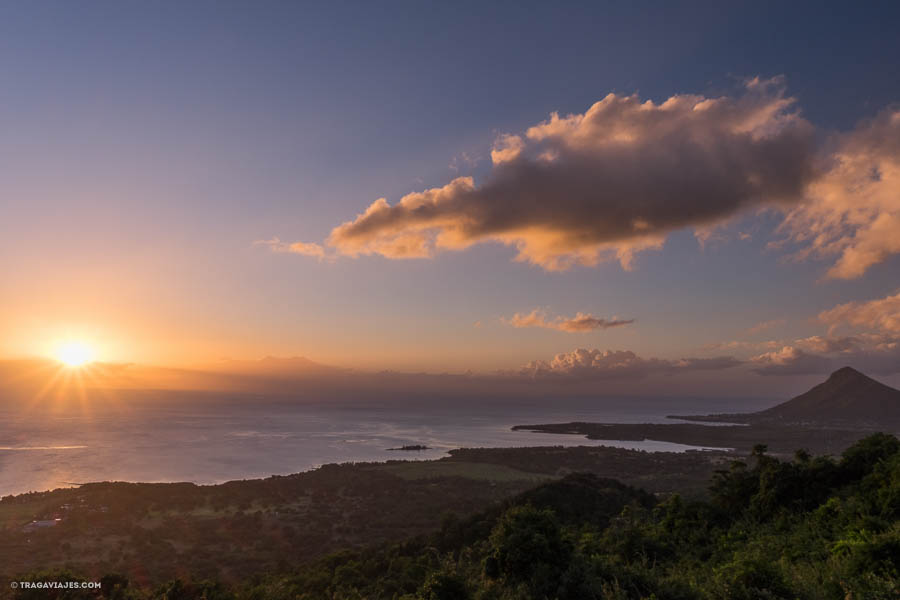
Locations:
(617, 179)
(605, 184)
(853, 209)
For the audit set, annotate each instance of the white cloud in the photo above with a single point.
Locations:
(597, 364)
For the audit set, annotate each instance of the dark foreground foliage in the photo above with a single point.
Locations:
(811, 528)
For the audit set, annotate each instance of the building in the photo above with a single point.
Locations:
(43, 524)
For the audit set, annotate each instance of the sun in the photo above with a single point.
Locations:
(75, 354)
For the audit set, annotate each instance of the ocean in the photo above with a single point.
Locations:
(167, 437)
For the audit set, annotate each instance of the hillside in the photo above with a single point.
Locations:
(153, 532)
(807, 529)
(846, 398)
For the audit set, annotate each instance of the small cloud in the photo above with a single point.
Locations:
(477, 324)
(791, 361)
(705, 364)
(580, 323)
(766, 325)
(463, 159)
(303, 248)
(829, 345)
(712, 234)
(882, 314)
(743, 345)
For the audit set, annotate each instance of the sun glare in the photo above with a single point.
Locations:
(75, 354)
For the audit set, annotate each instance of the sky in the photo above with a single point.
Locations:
(612, 190)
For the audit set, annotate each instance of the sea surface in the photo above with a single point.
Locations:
(203, 439)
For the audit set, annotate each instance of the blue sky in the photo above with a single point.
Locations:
(146, 147)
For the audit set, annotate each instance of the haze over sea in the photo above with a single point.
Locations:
(165, 437)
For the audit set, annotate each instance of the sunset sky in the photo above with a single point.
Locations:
(452, 186)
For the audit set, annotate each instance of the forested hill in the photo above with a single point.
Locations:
(807, 529)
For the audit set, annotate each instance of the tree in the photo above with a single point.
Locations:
(529, 547)
(114, 586)
(444, 586)
(861, 458)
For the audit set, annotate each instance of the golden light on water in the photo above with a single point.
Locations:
(75, 354)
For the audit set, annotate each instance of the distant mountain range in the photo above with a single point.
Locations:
(846, 398)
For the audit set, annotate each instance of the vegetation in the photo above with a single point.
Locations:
(153, 532)
(807, 528)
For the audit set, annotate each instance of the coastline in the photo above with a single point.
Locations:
(780, 439)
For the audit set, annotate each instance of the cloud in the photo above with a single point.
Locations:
(829, 345)
(791, 361)
(464, 159)
(612, 364)
(710, 235)
(853, 211)
(882, 314)
(303, 248)
(606, 184)
(871, 353)
(765, 325)
(580, 323)
(705, 364)
(743, 345)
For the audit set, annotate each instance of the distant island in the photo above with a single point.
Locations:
(412, 448)
(847, 398)
(827, 419)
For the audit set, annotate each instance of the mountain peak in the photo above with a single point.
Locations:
(847, 396)
(848, 373)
